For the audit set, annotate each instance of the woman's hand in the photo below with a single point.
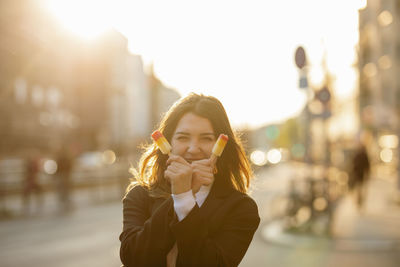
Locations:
(179, 173)
(203, 173)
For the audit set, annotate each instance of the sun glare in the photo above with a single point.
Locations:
(87, 19)
(246, 62)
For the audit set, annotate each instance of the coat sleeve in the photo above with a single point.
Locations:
(227, 247)
(146, 238)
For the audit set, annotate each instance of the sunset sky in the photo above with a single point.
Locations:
(242, 52)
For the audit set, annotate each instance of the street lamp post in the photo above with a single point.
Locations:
(301, 60)
(318, 190)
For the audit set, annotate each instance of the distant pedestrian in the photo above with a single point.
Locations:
(359, 175)
(64, 168)
(31, 184)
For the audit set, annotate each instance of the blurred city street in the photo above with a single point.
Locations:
(371, 238)
(84, 84)
(88, 235)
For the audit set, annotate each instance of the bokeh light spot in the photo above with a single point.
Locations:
(50, 166)
(109, 157)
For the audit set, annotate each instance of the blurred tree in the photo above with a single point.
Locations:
(290, 134)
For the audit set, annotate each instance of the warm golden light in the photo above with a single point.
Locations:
(317, 76)
(87, 19)
(258, 158)
(50, 166)
(109, 157)
(385, 62)
(386, 155)
(337, 157)
(388, 141)
(362, 4)
(370, 69)
(303, 214)
(320, 204)
(189, 62)
(274, 156)
(316, 107)
(343, 178)
(385, 18)
(251, 61)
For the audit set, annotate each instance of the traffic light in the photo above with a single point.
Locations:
(324, 96)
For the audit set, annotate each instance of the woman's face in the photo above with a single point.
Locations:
(193, 138)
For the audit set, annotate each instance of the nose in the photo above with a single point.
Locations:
(193, 147)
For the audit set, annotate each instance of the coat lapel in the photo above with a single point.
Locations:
(220, 190)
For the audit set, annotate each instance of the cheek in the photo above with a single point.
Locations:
(208, 149)
(177, 148)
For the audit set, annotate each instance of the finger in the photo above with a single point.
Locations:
(170, 159)
(176, 158)
(172, 171)
(202, 168)
(167, 175)
(200, 176)
(178, 166)
(203, 165)
(201, 173)
(205, 162)
(172, 168)
(205, 181)
(172, 175)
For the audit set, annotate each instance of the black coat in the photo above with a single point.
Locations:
(216, 234)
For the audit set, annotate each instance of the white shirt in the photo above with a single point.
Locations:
(184, 202)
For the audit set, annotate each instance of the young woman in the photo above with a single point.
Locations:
(186, 209)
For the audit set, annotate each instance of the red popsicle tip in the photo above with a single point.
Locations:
(156, 135)
(223, 136)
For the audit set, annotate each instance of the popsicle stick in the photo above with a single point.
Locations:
(213, 159)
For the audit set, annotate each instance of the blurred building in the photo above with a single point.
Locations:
(379, 58)
(264, 137)
(114, 96)
(162, 98)
(35, 71)
(379, 67)
(379, 95)
(57, 88)
(138, 107)
(131, 106)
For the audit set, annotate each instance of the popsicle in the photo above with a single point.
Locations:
(161, 142)
(219, 146)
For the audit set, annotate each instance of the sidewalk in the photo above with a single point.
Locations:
(13, 207)
(376, 228)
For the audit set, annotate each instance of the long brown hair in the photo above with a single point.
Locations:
(233, 163)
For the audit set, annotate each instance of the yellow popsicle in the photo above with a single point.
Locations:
(220, 145)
